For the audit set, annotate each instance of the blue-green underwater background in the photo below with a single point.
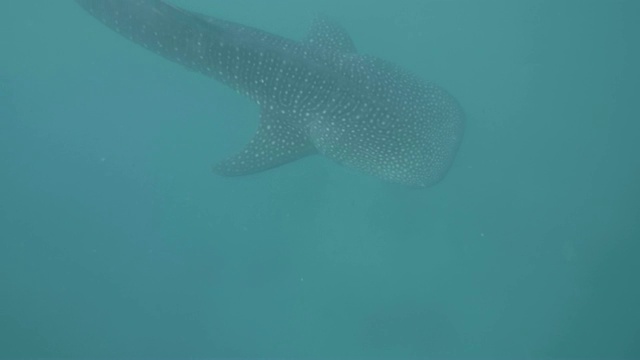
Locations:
(116, 240)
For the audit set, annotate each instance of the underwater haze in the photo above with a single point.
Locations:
(117, 239)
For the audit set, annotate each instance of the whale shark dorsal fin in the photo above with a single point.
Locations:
(275, 143)
(326, 33)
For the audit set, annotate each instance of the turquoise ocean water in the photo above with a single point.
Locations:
(116, 240)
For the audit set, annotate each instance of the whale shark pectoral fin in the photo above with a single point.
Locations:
(326, 33)
(275, 143)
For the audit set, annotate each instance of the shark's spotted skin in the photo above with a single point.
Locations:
(316, 96)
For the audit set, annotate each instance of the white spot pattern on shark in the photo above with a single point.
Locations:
(317, 95)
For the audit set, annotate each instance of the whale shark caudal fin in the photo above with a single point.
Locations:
(275, 143)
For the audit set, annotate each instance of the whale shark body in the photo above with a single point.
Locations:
(316, 96)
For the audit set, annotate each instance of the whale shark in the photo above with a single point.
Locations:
(316, 95)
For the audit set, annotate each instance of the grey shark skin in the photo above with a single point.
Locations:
(317, 95)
